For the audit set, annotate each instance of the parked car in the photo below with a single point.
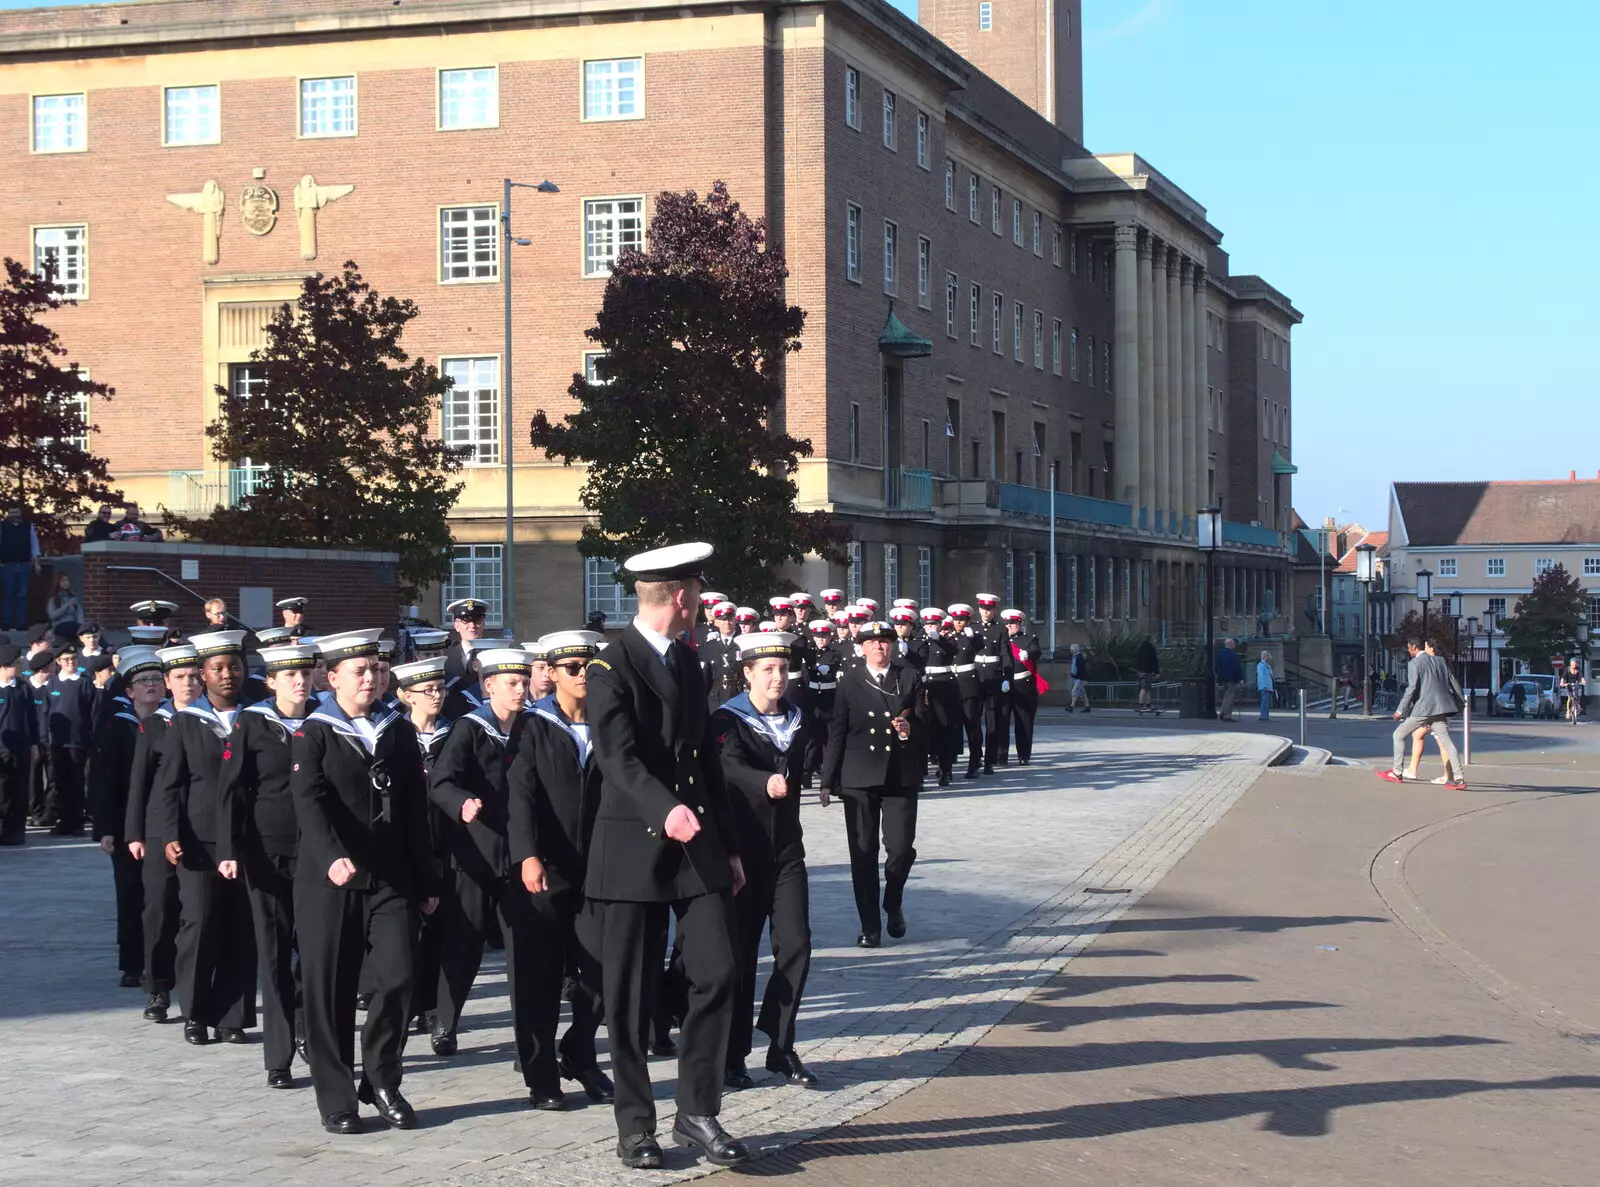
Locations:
(1540, 697)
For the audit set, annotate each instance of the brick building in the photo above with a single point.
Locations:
(1055, 314)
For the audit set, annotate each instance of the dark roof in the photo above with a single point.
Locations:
(1444, 513)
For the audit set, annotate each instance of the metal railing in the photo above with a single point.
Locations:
(1032, 500)
(195, 492)
(908, 490)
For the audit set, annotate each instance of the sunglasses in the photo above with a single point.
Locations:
(572, 667)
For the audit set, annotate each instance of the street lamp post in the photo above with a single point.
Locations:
(1208, 534)
(1366, 570)
(1424, 595)
(508, 581)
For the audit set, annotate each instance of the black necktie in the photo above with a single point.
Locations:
(674, 663)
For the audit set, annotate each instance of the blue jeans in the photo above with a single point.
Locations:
(14, 594)
(1266, 703)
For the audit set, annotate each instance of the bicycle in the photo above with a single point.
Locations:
(1574, 708)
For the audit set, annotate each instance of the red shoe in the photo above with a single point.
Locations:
(1457, 785)
(1392, 776)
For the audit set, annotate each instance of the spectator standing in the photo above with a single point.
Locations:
(1345, 684)
(1229, 673)
(63, 609)
(98, 528)
(131, 527)
(1264, 684)
(1078, 670)
(19, 560)
(1148, 663)
(216, 612)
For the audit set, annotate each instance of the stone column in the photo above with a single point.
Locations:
(1174, 390)
(1191, 427)
(1147, 389)
(1162, 415)
(1125, 361)
(1202, 398)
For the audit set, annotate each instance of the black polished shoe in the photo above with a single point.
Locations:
(130, 981)
(988, 769)
(897, 922)
(546, 1101)
(665, 1048)
(736, 1079)
(787, 1064)
(363, 1001)
(155, 1010)
(596, 1084)
(395, 1109)
(279, 1077)
(300, 1039)
(707, 1135)
(639, 1151)
(196, 1033)
(972, 773)
(944, 779)
(231, 1034)
(443, 1041)
(342, 1123)
(869, 939)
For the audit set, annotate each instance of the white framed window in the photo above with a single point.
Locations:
(613, 89)
(1497, 607)
(972, 197)
(469, 244)
(924, 575)
(60, 123)
(922, 139)
(854, 443)
(1591, 566)
(924, 272)
(951, 288)
(1447, 566)
(191, 115)
(328, 106)
(852, 570)
(1055, 245)
(999, 316)
(1542, 565)
(1089, 355)
(994, 210)
(1009, 589)
(591, 373)
(1016, 221)
(610, 227)
(888, 119)
(603, 593)
(1074, 253)
(891, 573)
(852, 97)
(1038, 340)
(852, 242)
(949, 185)
(1072, 356)
(985, 16)
(475, 572)
(1494, 566)
(66, 248)
(471, 409)
(469, 98)
(1055, 346)
(891, 254)
(1016, 330)
(1038, 234)
(974, 314)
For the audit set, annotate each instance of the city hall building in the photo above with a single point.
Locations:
(990, 306)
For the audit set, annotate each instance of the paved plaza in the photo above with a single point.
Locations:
(1016, 873)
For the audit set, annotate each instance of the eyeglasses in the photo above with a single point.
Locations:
(572, 667)
(428, 690)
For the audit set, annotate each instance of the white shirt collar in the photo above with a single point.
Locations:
(72, 675)
(659, 641)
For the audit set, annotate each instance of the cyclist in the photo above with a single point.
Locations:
(1572, 686)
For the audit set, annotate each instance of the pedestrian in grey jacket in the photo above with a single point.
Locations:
(1431, 698)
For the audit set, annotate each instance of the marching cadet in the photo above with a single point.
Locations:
(762, 737)
(19, 739)
(385, 664)
(832, 601)
(969, 684)
(468, 785)
(942, 700)
(539, 679)
(69, 699)
(872, 763)
(466, 622)
(427, 642)
(216, 964)
(804, 608)
(40, 666)
(746, 620)
(903, 620)
(717, 656)
(782, 609)
(707, 627)
(663, 841)
(1027, 685)
(858, 617)
(992, 681)
(870, 605)
(142, 830)
(294, 616)
(114, 744)
(822, 678)
(554, 785)
(257, 840)
(906, 604)
(841, 634)
(274, 636)
(362, 871)
(465, 694)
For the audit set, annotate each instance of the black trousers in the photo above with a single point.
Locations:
(867, 813)
(1024, 707)
(972, 716)
(269, 879)
(996, 725)
(40, 794)
(162, 914)
(430, 945)
(945, 723)
(128, 878)
(16, 773)
(64, 803)
(564, 935)
(776, 896)
(216, 965)
(631, 957)
(337, 928)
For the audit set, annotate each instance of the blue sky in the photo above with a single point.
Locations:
(1421, 178)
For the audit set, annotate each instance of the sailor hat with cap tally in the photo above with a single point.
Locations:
(763, 644)
(418, 671)
(292, 657)
(349, 645)
(133, 660)
(273, 635)
(560, 645)
(675, 562)
(148, 635)
(499, 660)
(385, 648)
(428, 638)
(179, 656)
(820, 627)
(535, 650)
(218, 643)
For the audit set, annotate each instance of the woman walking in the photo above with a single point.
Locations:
(1264, 683)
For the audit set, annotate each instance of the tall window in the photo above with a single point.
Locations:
(1038, 234)
(888, 119)
(470, 98)
(1074, 268)
(328, 106)
(972, 197)
(891, 254)
(1016, 331)
(1055, 346)
(999, 317)
(1089, 354)
(591, 372)
(1010, 592)
(1127, 588)
(190, 115)
(604, 593)
(1030, 585)
(60, 123)
(474, 573)
(852, 97)
(952, 438)
(471, 417)
(891, 573)
(1038, 340)
(1497, 607)
(924, 272)
(1090, 254)
(852, 570)
(852, 241)
(79, 403)
(610, 227)
(1016, 221)
(974, 313)
(1055, 245)
(951, 289)
(924, 575)
(1494, 566)
(985, 16)
(469, 243)
(1105, 363)
(1073, 566)
(949, 185)
(922, 139)
(994, 210)
(66, 249)
(613, 89)
(1072, 356)
(854, 443)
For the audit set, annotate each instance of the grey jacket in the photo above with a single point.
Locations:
(1431, 689)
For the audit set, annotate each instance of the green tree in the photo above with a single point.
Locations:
(46, 466)
(1441, 632)
(1544, 623)
(337, 436)
(678, 428)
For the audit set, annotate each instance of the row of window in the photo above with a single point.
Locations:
(1216, 331)
(855, 577)
(1274, 422)
(1274, 348)
(476, 572)
(466, 97)
(1495, 566)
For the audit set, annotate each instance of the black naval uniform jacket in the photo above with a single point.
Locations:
(1022, 682)
(369, 807)
(109, 765)
(719, 663)
(555, 794)
(864, 752)
(186, 805)
(69, 705)
(966, 643)
(19, 718)
(994, 654)
(768, 830)
(472, 764)
(253, 788)
(653, 742)
(140, 824)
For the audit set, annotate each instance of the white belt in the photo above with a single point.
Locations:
(988, 659)
(832, 684)
(965, 668)
(932, 671)
(795, 675)
(1023, 674)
